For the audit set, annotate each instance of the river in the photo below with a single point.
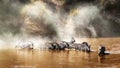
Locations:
(13, 58)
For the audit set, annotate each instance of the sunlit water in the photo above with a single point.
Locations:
(13, 58)
(56, 59)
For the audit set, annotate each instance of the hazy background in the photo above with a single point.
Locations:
(58, 19)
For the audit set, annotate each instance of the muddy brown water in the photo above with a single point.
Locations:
(12, 58)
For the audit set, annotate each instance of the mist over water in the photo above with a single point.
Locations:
(39, 22)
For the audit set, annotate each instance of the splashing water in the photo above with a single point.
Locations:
(42, 15)
(43, 23)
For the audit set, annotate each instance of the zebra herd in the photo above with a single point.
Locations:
(68, 45)
(57, 46)
(63, 46)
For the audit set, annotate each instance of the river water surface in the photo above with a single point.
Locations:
(12, 58)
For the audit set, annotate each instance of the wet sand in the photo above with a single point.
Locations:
(12, 58)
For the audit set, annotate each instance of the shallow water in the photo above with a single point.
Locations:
(12, 58)
(56, 59)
